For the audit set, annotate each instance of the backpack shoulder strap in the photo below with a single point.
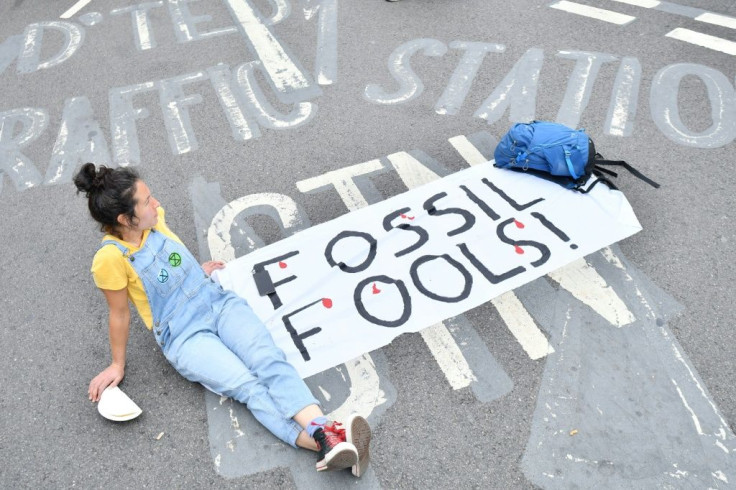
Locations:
(600, 161)
(605, 171)
(600, 178)
(570, 168)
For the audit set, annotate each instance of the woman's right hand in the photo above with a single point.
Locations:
(111, 376)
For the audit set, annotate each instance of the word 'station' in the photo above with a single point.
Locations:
(517, 92)
(351, 285)
(244, 81)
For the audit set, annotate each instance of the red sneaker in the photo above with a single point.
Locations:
(358, 433)
(334, 452)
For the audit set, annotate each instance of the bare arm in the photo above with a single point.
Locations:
(119, 325)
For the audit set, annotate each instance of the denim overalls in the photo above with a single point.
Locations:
(211, 336)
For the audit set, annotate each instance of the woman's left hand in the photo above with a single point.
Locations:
(212, 265)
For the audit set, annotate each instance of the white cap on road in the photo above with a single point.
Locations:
(117, 406)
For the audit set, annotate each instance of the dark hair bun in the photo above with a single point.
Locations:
(110, 193)
(89, 179)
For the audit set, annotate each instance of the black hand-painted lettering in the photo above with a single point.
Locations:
(507, 198)
(492, 278)
(423, 235)
(543, 249)
(298, 338)
(467, 277)
(264, 283)
(481, 204)
(405, 298)
(467, 215)
(551, 227)
(372, 243)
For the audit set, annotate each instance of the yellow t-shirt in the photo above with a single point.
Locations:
(112, 271)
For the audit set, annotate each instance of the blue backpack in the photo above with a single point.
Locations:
(559, 154)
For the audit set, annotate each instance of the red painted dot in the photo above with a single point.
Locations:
(519, 224)
(327, 302)
(282, 265)
(518, 249)
(375, 289)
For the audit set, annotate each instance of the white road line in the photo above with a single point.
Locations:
(696, 421)
(411, 172)
(438, 338)
(647, 4)
(343, 182)
(518, 320)
(512, 311)
(707, 17)
(448, 356)
(467, 150)
(704, 40)
(717, 19)
(75, 8)
(593, 12)
(365, 389)
(219, 238)
(141, 21)
(522, 325)
(583, 282)
(276, 61)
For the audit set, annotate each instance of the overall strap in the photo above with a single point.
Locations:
(123, 249)
(120, 246)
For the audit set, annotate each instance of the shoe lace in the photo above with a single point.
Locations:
(334, 433)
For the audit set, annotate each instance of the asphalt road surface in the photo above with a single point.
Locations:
(318, 108)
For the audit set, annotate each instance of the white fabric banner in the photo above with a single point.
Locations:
(346, 287)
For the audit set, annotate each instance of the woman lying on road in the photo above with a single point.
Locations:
(209, 335)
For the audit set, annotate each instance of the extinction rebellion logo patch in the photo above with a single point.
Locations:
(163, 276)
(175, 259)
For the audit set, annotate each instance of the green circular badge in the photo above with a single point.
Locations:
(175, 259)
